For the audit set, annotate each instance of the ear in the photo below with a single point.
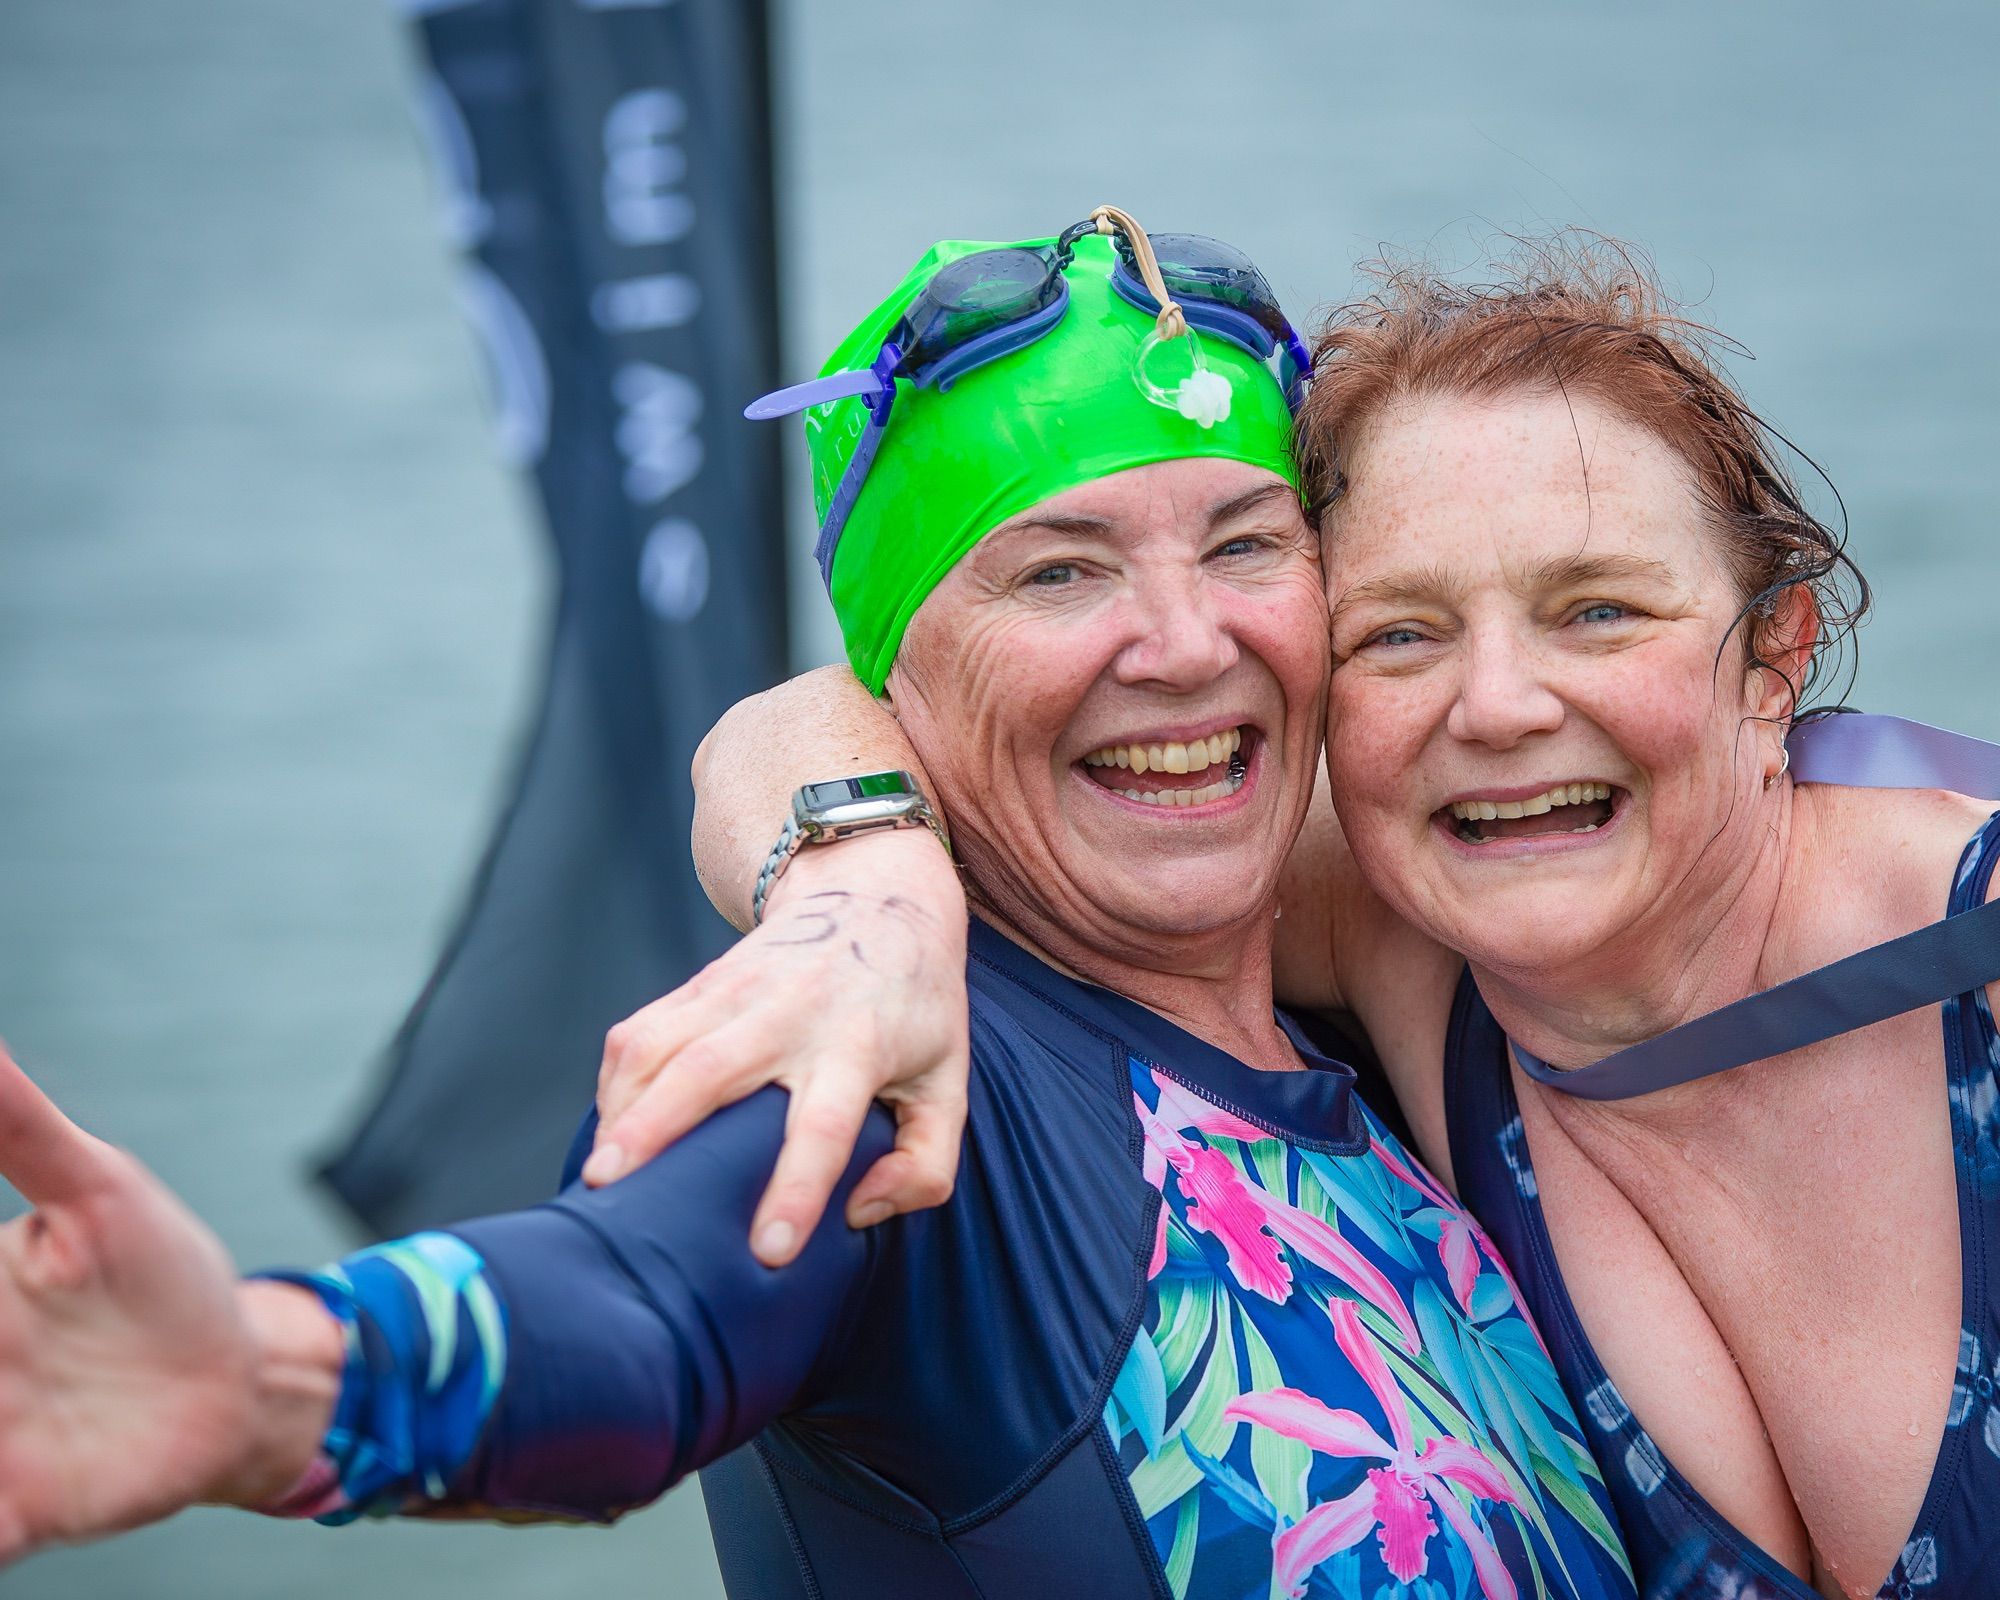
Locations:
(1783, 642)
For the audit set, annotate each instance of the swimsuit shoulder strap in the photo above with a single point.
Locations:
(1927, 967)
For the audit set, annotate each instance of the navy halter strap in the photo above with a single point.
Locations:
(1924, 968)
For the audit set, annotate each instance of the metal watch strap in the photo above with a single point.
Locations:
(796, 835)
(790, 838)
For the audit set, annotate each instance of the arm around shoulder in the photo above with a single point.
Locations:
(852, 989)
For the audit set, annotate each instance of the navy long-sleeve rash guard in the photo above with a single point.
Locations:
(1185, 1328)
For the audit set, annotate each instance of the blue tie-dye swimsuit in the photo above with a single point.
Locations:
(1186, 1330)
(1681, 1547)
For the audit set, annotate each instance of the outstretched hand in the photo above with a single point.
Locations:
(844, 996)
(128, 1370)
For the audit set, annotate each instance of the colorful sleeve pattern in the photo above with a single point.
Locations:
(426, 1353)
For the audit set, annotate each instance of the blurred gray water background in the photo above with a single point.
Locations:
(269, 610)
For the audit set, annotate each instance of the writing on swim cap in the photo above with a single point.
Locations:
(960, 456)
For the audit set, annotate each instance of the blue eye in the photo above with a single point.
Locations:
(1396, 636)
(1050, 577)
(1602, 611)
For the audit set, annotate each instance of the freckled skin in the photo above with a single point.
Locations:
(1502, 674)
(1183, 595)
(1525, 591)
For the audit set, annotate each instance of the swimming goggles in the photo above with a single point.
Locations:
(993, 302)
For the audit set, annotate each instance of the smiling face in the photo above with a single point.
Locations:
(1119, 696)
(1537, 725)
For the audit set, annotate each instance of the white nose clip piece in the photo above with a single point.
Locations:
(1197, 392)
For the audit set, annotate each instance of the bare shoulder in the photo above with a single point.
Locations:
(1877, 863)
(1893, 851)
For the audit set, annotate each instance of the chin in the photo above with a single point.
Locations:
(1538, 925)
(1193, 899)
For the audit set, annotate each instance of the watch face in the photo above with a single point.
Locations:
(835, 792)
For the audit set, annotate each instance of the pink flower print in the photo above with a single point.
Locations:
(1181, 1108)
(1460, 1253)
(1221, 1203)
(1323, 1246)
(1234, 1212)
(1248, 1221)
(1459, 1238)
(1395, 1500)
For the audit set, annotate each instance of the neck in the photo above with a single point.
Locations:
(1214, 983)
(1695, 952)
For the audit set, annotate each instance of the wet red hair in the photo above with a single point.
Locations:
(1581, 315)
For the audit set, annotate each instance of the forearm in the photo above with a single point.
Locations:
(823, 724)
(568, 1361)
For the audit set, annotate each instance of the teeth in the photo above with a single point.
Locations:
(1562, 794)
(1173, 798)
(1197, 755)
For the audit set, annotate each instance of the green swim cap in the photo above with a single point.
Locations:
(1059, 412)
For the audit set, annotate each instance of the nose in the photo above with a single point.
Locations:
(1180, 639)
(1502, 696)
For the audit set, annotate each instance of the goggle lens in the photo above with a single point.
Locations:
(1196, 267)
(975, 295)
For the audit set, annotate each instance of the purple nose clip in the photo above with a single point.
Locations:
(817, 392)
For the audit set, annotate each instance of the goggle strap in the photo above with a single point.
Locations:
(846, 492)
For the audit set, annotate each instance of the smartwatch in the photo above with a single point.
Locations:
(840, 808)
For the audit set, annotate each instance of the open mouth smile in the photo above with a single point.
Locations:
(1175, 774)
(1579, 807)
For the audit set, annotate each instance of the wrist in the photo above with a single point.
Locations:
(906, 864)
(298, 1352)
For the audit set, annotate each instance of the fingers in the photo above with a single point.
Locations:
(820, 1135)
(687, 1085)
(639, 1047)
(920, 1172)
(42, 1153)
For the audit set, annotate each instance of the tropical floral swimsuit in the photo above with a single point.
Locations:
(1186, 1329)
(1681, 1547)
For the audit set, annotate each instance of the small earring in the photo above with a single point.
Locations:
(1784, 767)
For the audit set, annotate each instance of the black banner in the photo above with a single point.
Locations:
(606, 167)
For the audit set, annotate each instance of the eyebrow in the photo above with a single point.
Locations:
(1567, 572)
(1252, 500)
(1083, 526)
(1430, 582)
(1437, 582)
